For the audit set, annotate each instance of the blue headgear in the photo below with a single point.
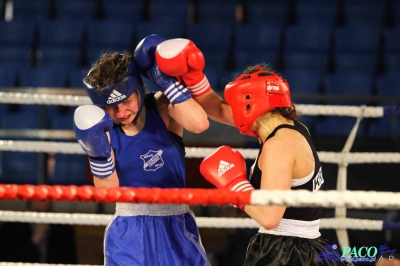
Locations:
(121, 90)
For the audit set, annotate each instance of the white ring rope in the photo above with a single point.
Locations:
(196, 152)
(43, 99)
(327, 199)
(202, 222)
(76, 100)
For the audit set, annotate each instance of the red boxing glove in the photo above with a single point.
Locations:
(226, 169)
(182, 59)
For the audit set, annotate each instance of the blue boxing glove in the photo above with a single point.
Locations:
(145, 52)
(144, 57)
(90, 125)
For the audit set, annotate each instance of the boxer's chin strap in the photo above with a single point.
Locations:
(140, 103)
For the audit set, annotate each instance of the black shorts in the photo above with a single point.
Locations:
(274, 250)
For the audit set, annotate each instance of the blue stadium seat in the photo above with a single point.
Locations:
(166, 11)
(323, 12)
(210, 35)
(126, 10)
(258, 36)
(60, 42)
(308, 37)
(388, 84)
(214, 39)
(365, 12)
(59, 117)
(68, 33)
(19, 168)
(356, 61)
(37, 10)
(302, 81)
(380, 127)
(247, 57)
(75, 76)
(17, 33)
(396, 5)
(391, 37)
(216, 58)
(217, 11)
(225, 77)
(110, 34)
(345, 82)
(336, 126)
(8, 75)
(168, 28)
(15, 56)
(58, 57)
(76, 9)
(357, 38)
(392, 62)
(272, 12)
(309, 121)
(70, 169)
(43, 77)
(94, 54)
(23, 116)
(314, 61)
(213, 76)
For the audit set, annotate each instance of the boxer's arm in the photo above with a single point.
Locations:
(216, 107)
(110, 181)
(144, 57)
(276, 164)
(226, 169)
(90, 126)
(181, 57)
(188, 115)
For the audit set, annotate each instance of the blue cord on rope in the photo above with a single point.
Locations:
(390, 225)
(391, 111)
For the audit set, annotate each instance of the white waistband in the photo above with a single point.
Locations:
(132, 209)
(288, 227)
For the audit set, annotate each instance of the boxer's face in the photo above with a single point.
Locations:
(125, 112)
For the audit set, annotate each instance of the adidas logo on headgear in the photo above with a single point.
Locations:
(224, 167)
(115, 96)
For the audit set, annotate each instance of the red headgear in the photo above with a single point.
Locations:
(251, 95)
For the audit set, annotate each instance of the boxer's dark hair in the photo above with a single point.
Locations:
(108, 69)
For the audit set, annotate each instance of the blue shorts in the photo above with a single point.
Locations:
(151, 234)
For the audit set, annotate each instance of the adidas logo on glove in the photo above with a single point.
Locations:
(224, 167)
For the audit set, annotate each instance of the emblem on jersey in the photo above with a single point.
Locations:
(318, 180)
(152, 160)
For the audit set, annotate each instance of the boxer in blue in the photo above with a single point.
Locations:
(134, 139)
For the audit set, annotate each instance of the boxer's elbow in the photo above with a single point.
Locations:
(268, 217)
(269, 223)
(200, 126)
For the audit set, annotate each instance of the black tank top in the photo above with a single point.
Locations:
(315, 183)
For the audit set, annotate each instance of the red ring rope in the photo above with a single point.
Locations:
(117, 194)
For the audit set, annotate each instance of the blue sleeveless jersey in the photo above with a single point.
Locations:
(151, 158)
